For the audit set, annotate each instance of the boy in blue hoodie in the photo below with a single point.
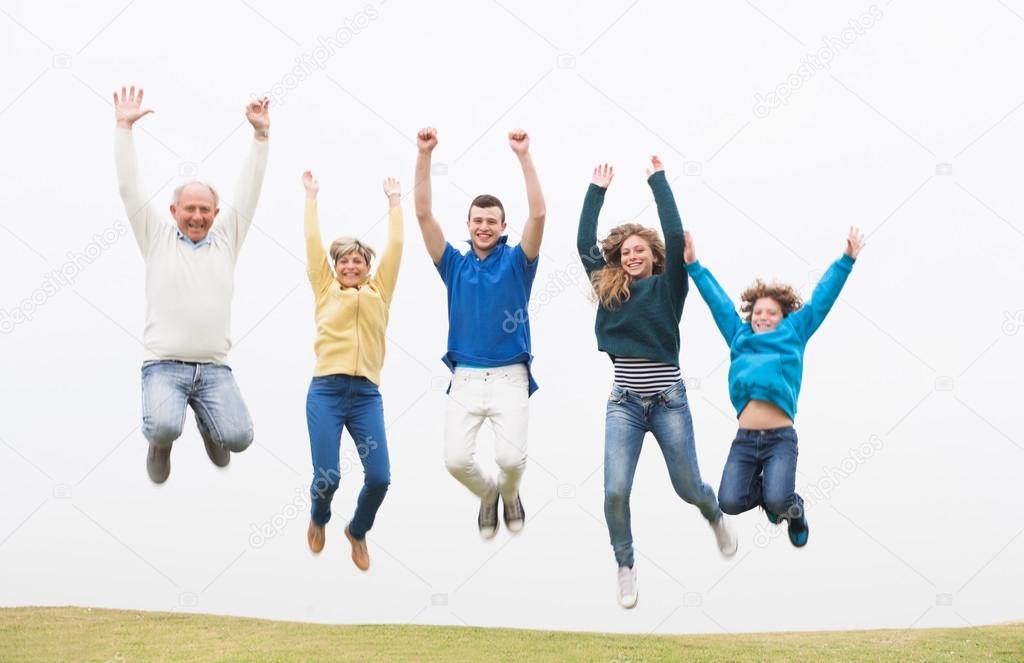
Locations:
(766, 352)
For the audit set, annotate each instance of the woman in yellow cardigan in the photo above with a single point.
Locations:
(351, 316)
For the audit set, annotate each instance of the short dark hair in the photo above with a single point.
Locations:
(486, 200)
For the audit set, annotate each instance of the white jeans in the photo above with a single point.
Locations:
(502, 396)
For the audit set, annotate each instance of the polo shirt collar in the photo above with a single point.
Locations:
(501, 240)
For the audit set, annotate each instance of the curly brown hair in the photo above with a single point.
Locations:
(786, 297)
(611, 282)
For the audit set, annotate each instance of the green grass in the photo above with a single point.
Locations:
(121, 636)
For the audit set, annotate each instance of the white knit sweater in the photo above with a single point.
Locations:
(188, 290)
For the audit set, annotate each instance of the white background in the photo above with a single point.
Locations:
(920, 358)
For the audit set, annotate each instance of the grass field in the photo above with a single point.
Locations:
(120, 636)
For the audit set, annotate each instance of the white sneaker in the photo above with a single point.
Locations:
(727, 544)
(628, 593)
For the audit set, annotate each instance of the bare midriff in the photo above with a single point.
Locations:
(761, 415)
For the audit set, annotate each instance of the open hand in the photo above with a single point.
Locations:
(128, 107)
(392, 187)
(519, 140)
(426, 139)
(656, 165)
(603, 175)
(312, 186)
(854, 242)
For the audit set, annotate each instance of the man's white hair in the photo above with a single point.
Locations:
(176, 196)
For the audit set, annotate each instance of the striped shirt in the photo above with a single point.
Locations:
(643, 376)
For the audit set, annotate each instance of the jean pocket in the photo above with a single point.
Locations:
(617, 396)
(675, 398)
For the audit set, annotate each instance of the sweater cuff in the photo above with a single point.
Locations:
(594, 189)
(693, 267)
(657, 177)
(847, 261)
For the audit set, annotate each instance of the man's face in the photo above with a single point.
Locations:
(485, 227)
(194, 211)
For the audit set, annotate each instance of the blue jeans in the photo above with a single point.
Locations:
(761, 471)
(628, 418)
(168, 387)
(343, 401)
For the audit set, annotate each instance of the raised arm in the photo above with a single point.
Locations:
(144, 219)
(533, 232)
(318, 268)
(433, 237)
(671, 224)
(586, 235)
(812, 314)
(247, 190)
(722, 309)
(387, 271)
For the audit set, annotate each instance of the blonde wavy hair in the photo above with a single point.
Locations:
(786, 297)
(611, 282)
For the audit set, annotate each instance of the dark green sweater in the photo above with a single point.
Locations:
(646, 326)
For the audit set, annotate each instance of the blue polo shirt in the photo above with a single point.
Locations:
(488, 317)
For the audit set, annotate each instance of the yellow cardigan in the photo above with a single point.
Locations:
(350, 322)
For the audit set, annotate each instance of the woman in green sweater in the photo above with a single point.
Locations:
(640, 285)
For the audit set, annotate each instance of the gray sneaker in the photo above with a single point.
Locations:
(514, 515)
(217, 454)
(158, 463)
(487, 521)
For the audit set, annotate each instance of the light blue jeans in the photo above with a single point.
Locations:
(628, 418)
(169, 387)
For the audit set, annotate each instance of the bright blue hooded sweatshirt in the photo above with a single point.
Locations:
(769, 366)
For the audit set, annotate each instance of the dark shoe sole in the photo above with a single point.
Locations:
(516, 526)
(158, 475)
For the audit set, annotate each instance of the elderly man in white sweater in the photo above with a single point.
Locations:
(189, 285)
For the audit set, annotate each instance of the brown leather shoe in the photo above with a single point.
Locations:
(315, 537)
(360, 555)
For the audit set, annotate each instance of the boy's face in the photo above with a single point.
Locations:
(766, 315)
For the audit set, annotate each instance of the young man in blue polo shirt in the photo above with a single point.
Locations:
(488, 334)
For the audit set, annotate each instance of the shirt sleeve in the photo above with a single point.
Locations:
(672, 229)
(812, 314)
(247, 193)
(446, 265)
(318, 268)
(387, 271)
(143, 217)
(527, 268)
(586, 235)
(723, 311)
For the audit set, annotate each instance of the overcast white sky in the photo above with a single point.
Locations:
(911, 131)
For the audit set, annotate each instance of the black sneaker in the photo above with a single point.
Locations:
(487, 521)
(798, 531)
(158, 463)
(514, 515)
